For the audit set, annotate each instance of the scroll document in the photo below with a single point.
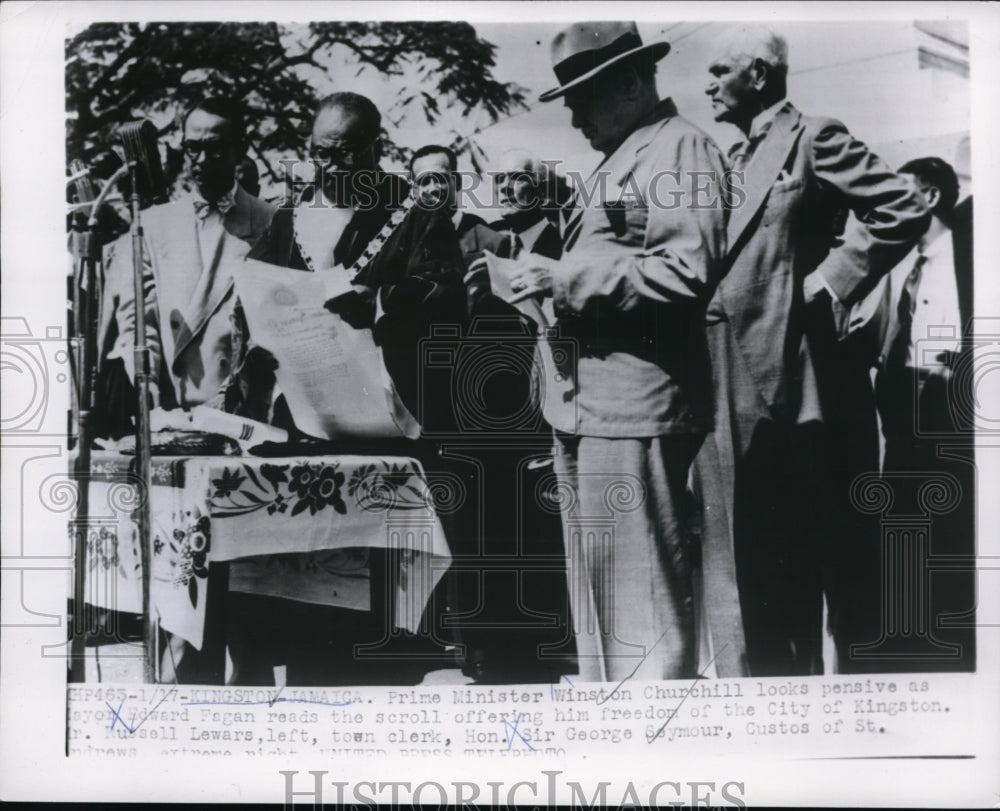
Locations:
(332, 375)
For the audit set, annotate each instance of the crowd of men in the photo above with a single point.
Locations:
(698, 509)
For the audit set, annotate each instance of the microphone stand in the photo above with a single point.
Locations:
(87, 252)
(143, 439)
(86, 310)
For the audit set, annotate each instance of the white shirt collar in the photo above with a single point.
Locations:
(765, 116)
(456, 218)
(529, 236)
(940, 244)
(230, 195)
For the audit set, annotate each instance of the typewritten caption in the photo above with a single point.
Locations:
(827, 716)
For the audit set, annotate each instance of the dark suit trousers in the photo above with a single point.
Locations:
(779, 520)
(781, 512)
(930, 466)
(508, 605)
(765, 493)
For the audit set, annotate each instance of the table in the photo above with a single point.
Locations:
(302, 528)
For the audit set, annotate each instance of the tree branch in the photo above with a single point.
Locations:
(127, 53)
(279, 63)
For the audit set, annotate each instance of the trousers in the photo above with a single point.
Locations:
(629, 565)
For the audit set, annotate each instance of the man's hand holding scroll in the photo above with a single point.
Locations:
(532, 276)
(356, 306)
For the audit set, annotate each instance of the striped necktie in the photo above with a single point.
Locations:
(514, 245)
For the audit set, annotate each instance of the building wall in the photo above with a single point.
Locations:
(901, 87)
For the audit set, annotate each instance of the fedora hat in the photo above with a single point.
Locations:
(583, 50)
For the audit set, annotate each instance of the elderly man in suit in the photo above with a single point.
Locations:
(523, 182)
(772, 478)
(641, 258)
(188, 245)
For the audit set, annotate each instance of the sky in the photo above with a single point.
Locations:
(866, 74)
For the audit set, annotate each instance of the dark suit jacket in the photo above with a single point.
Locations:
(873, 324)
(277, 245)
(803, 172)
(549, 242)
(961, 233)
(417, 276)
(476, 237)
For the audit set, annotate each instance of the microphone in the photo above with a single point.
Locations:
(140, 142)
(83, 188)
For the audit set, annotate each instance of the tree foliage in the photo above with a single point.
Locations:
(117, 72)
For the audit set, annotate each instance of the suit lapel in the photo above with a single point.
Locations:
(214, 283)
(614, 169)
(961, 236)
(764, 168)
(176, 260)
(571, 227)
(548, 243)
(582, 200)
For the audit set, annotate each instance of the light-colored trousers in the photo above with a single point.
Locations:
(629, 561)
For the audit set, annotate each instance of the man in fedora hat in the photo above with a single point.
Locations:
(641, 258)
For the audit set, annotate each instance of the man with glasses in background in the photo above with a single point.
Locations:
(189, 301)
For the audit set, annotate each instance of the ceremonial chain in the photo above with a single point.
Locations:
(371, 250)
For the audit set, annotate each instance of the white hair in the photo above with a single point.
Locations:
(528, 161)
(749, 42)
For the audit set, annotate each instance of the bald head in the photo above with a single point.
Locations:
(749, 70)
(522, 160)
(344, 140)
(520, 178)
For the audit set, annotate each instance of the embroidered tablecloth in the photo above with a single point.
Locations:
(301, 528)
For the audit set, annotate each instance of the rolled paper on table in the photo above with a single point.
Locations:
(246, 432)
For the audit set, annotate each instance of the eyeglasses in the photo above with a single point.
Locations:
(212, 149)
(337, 155)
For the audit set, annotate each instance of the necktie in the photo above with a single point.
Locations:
(516, 245)
(904, 312)
(745, 152)
(572, 213)
(908, 298)
(202, 208)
